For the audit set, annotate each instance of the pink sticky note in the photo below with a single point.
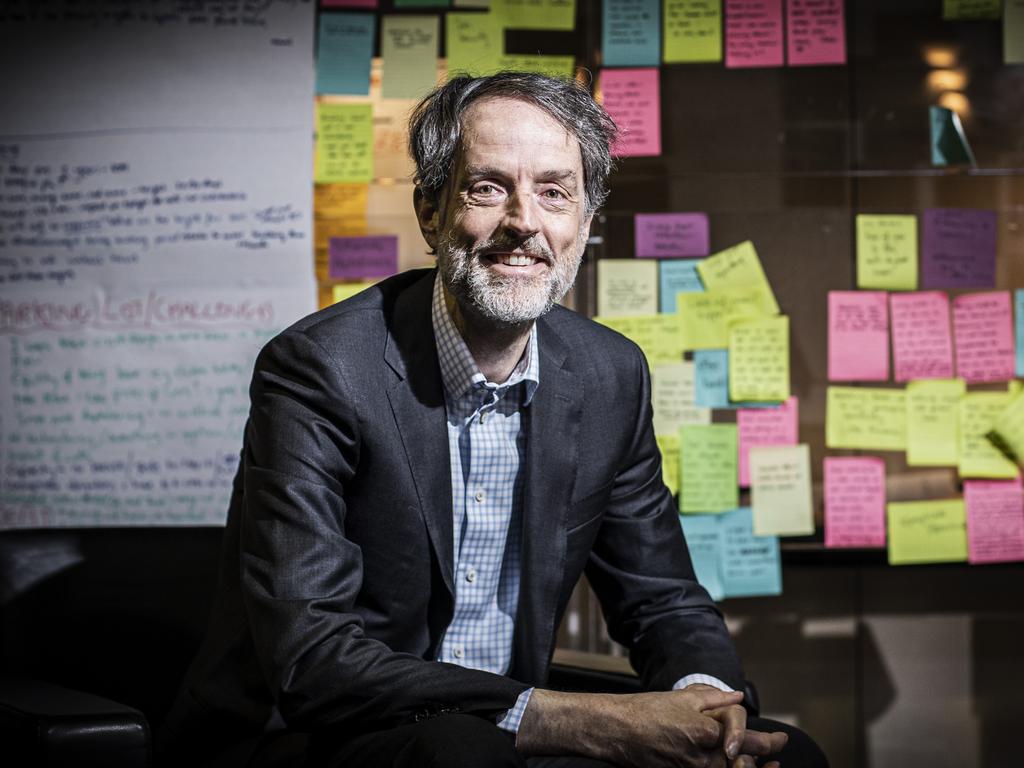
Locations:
(921, 345)
(995, 520)
(854, 501)
(753, 33)
(671, 235)
(358, 257)
(983, 329)
(633, 100)
(858, 336)
(348, 3)
(816, 32)
(758, 427)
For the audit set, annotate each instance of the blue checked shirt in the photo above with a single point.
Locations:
(487, 446)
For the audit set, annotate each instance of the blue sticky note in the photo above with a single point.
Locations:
(344, 51)
(1019, 305)
(750, 565)
(676, 276)
(631, 33)
(704, 540)
(711, 378)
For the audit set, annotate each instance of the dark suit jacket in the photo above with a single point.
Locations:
(336, 587)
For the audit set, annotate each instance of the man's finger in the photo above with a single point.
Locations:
(706, 697)
(760, 743)
(744, 761)
(734, 726)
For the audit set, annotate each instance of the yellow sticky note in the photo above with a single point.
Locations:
(927, 532)
(705, 317)
(475, 43)
(867, 418)
(344, 143)
(708, 468)
(555, 66)
(658, 336)
(979, 412)
(535, 14)
(887, 252)
(342, 291)
(627, 287)
(971, 9)
(1007, 433)
(672, 398)
(737, 267)
(780, 490)
(759, 360)
(932, 426)
(669, 447)
(1014, 386)
(692, 31)
(340, 201)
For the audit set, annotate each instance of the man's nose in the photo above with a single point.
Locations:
(521, 217)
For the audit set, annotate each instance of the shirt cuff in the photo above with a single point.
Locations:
(714, 682)
(510, 722)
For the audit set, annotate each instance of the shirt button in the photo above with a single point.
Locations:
(480, 495)
(457, 652)
(471, 575)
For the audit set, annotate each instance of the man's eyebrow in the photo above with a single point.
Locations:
(472, 172)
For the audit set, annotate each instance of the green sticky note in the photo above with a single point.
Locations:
(979, 412)
(658, 336)
(887, 252)
(692, 31)
(927, 532)
(409, 50)
(948, 141)
(705, 317)
(759, 360)
(932, 428)
(672, 398)
(737, 267)
(344, 143)
(475, 43)
(554, 66)
(1013, 32)
(780, 490)
(669, 447)
(971, 9)
(1007, 434)
(535, 14)
(866, 418)
(627, 287)
(707, 475)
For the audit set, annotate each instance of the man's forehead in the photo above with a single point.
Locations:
(510, 119)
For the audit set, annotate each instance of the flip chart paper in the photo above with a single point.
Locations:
(627, 287)
(866, 418)
(927, 532)
(983, 329)
(474, 43)
(737, 267)
(630, 33)
(762, 427)
(815, 32)
(409, 47)
(948, 141)
(995, 520)
(708, 468)
(704, 540)
(780, 490)
(343, 291)
(693, 31)
(344, 51)
(669, 447)
(922, 347)
(1013, 31)
(554, 66)
(858, 336)
(676, 276)
(632, 98)
(958, 248)
(753, 33)
(344, 143)
(357, 257)
(672, 398)
(661, 235)
(854, 501)
(979, 411)
(1007, 432)
(1019, 313)
(750, 565)
(887, 252)
(705, 317)
(711, 372)
(535, 14)
(933, 406)
(759, 360)
(971, 9)
(658, 336)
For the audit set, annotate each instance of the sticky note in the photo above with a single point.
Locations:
(750, 565)
(632, 98)
(933, 406)
(340, 201)
(983, 330)
(672, 398)
(707, 468)
(958, 248)
(474, 43)
(948, 141)
(658, 336)
(421, 3)
(704, 540)
(858, 336)
(922, 346)
(1018, 301)
(553, 66)
(669, 447)
(854, 501)
(979, 412)
(343, 291)
(971, 9)
(705, 317)
(815, 32)
(535, 14)
(1013, 31)
(1007, 432)
(737, 267)
(753, 33)
(927, 532)
(780, 490)
(887, 252)
(630, 33)
(344, 50)
(348, 3)
(409, 49)
(672, 235)
(995, 520)
(676, 276)
(692, 31)
(759, 359)
(627, 287)
(344, 143)
(367, 256)
(762, 427)
(711, 378)
(866, 418)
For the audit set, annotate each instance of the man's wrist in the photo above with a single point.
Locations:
(702, 679)
(511, 720)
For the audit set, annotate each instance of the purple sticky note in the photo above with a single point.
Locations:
(671, 235)
(816, 32)
(357, 257)
(959, 248)
(633, 99)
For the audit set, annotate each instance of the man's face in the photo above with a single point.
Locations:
(511, 225)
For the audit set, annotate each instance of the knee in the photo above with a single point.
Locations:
(801, 751)
(463, 741)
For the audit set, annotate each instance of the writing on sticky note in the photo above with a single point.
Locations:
(344, 50)
(979, 412)
(668, 445)
(704, 541)
(983, 330)
(1018, 302)
(711, 378)
(737, 267)
(922, 347)
(553, 66)
(858, 336)
(753, 33)
(630, 32)
(854, 501)
(661, 235)
(536, 14)
(368, 256)
(932, 425)
(887, 252)
(340, 201)
(995, 520)
(658, 336)
(672, 398)
(815, 32)
(958, 248)
(1007, 433)
(676, 276)
(693, 31)
(971, 9)
(866, 418)
(780, 490)
(632, 98)
(1013, 31)
(705, 317)
(344, 143)
(475, 43)
(409, 50)
(627, 287)
(708, 468)
(750, 565)
(759, 359)
(762, 427)
(927, 532)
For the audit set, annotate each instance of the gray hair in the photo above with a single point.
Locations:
(435, 129)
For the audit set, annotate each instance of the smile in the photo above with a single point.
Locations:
(514, 259)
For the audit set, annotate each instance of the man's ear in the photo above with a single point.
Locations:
(427, 216)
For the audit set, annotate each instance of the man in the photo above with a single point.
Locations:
(427, 470)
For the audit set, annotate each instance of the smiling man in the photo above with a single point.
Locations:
(428, 469)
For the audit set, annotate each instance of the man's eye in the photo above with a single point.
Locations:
(554, 194)
(485, 189)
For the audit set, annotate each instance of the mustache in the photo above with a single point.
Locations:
(530, 247)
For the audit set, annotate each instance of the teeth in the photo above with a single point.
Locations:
(517, 259)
